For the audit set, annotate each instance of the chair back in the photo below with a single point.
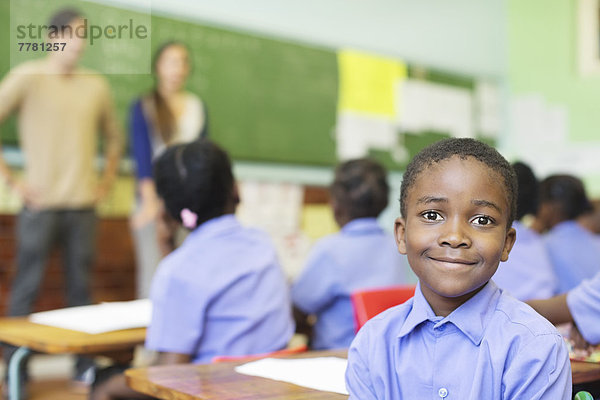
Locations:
(368, 303)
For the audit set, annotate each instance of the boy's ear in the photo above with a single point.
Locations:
(511, 236)
(400, 234)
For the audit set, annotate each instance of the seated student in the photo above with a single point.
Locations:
(460, 336)
(573, 247)
(222, 292)
(360, 256)
(528, 273)
(581, 306)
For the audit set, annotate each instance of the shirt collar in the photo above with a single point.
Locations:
(362, 225)
(215, 226)
(471, 317)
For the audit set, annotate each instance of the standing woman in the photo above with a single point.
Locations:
(166, 116)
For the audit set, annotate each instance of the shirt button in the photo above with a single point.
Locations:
(443, 393)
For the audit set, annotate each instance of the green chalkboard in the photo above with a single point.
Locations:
(267, 99)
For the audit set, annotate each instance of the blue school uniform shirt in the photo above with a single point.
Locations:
(222, 292)
(360, 256)
(492, 347)
(584, 305)
(574, 252)
(528, 272)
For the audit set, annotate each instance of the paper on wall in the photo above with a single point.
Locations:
(487, 99)
(367, 82)
(430, 106)
(357, 133)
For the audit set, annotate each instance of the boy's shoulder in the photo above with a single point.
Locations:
(388, 323)
(508, 315)
(521, 316)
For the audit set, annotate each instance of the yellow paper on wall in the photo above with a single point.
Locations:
(318, 221)
(368, 82)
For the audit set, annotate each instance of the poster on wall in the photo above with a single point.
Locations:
(588, 37)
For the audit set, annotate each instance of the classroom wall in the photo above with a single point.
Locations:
(463, 36)
(542, 69)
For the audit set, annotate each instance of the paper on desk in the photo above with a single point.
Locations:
(321, 373)
(98, 318)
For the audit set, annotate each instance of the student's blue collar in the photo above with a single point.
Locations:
(471, 317)
(362, 225)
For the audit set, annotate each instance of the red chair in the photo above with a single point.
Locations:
(368, 303)
(291, 350)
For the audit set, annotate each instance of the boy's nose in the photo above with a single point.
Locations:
(454, 234)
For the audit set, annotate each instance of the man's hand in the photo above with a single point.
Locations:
(29, 196)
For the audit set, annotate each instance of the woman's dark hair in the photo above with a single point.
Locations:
(196, 176)
(527, 193)
(164, 116)
(360, 188)
(568, 192)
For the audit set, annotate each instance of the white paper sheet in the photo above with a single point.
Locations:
(430, 106)
(320, 373)
(488, 102)
(357, 133)
(99, 318)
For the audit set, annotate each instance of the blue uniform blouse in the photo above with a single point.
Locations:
(222, 292)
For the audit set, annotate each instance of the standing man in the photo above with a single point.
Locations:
(61, 109)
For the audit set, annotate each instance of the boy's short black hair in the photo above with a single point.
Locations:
(527, 199)
(568, 192)
(360, 188)
(463, 148)
(196, 176)
(61, 19)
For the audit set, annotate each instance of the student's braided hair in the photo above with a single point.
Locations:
(463, 148)
(196, 176)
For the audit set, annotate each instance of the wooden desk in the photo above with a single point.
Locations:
(584, 372)
(26, 335)
(220, 381)
(21, 332)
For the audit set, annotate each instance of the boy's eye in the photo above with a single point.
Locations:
(431, 216)
(482, 220)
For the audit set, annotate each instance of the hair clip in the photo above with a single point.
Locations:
(188, 218)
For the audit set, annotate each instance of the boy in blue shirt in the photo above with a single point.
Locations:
(460, 337)
(572, 243)
(528, 274)
(360, 256)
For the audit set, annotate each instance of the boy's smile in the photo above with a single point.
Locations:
(455, 232)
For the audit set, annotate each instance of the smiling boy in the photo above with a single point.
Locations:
(460, 337)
